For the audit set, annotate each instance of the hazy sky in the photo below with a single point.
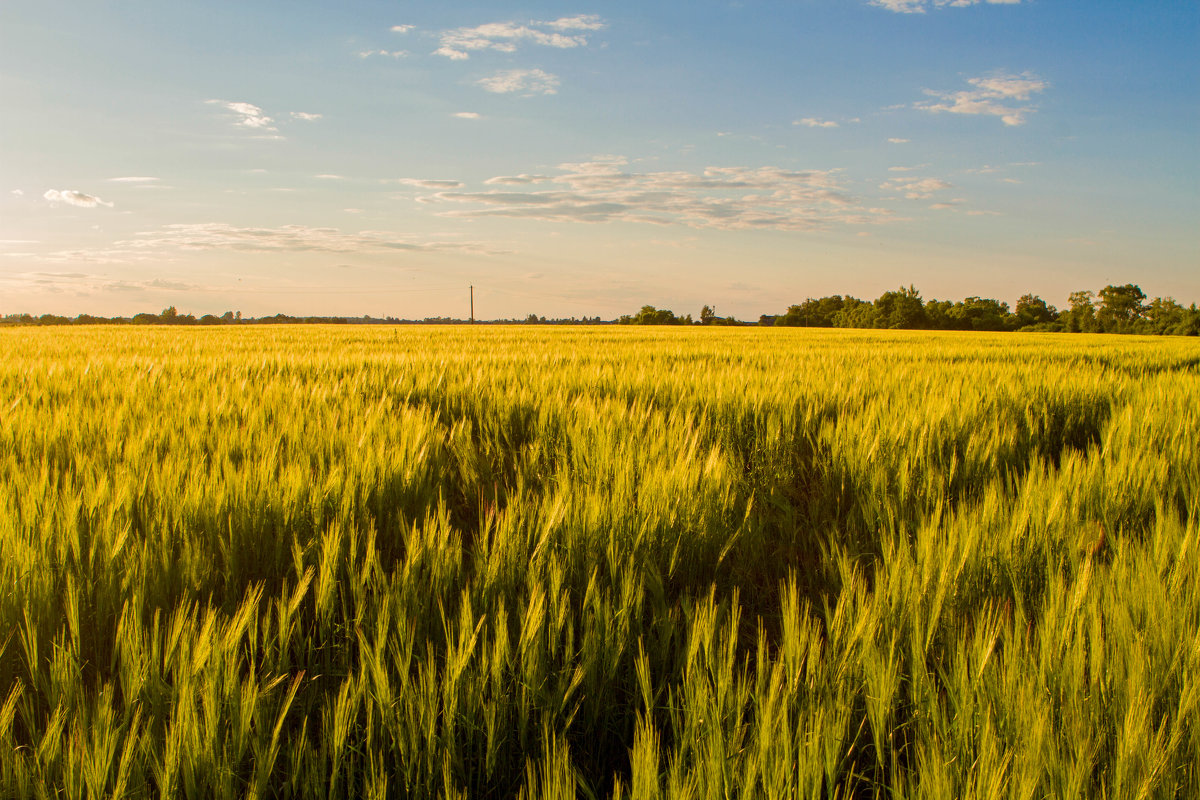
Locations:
(588, 158)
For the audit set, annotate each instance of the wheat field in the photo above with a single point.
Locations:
(553, 562)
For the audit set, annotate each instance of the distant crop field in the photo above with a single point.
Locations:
(552, 562)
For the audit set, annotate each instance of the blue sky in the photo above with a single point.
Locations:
(585, 159)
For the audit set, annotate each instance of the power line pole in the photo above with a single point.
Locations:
(472, 303)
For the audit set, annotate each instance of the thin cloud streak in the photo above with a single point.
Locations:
(85, 282)
(920, 6)
(422, 183)
(286, 238)
(97, 255)
(722, 198)
(171, 242)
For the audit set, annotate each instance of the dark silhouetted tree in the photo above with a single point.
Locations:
(1120, 307)
(900, 309)
(813, 313)
(856, 313)
(1033, 310)
(982, 314)
(1163, 314)
(1082, 316)
(937, 314)
(649, 315)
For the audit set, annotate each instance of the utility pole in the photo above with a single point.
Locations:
(472, 303)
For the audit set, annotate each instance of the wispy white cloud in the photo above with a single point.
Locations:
(898, 141)
(133, 179)
(17, 193)
(813, 122)
(247, 115)
(385, 53)
(402, 28)
(467, 115)
(524, 81)
(327, 176)
(920, 6)
(916, 188)
(74, 198)
(253, 118)
(579, 22)
(994, 95)
(506, 37)
(727, 198)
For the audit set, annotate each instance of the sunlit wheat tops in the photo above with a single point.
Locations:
(581, 563)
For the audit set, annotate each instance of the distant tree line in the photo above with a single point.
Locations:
(649, 315)
(1116, 309)
(534, 319)
(168, 316)
(171, 316)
